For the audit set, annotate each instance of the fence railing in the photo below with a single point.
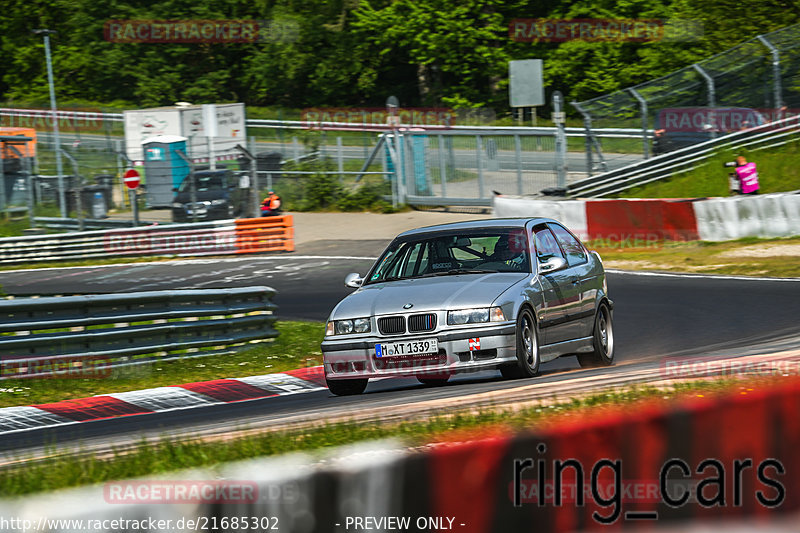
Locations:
(771, 135)
(267, 234)
(757, 77)
(90, 335)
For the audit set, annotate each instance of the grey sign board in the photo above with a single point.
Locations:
(526, 87)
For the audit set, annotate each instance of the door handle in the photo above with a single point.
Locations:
(575, 281)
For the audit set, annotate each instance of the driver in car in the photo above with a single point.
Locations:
(509, 250)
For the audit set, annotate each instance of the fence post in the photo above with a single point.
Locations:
(479, 153)
(587, 125)
(340, 158)
(643, 111)
(776, 72)
(254, 200)
(78, 197)
(561, 142)
(442, 167)
(712, 100)
(518, 157)
(192, 183)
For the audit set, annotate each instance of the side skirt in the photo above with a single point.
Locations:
(549, 352)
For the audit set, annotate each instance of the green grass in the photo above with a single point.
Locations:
(167, 455)
(297, 346)
(751, 256)
(778, 171)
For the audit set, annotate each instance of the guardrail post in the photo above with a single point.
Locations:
(643, 111)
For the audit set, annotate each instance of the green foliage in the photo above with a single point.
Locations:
(351, 52)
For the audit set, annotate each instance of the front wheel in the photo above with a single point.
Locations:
(603, 341)
(527, 349)
(346, 387)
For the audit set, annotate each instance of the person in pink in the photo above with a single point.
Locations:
(748, 176)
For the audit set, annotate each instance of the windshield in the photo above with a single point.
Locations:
(476, 252)
(205, 182)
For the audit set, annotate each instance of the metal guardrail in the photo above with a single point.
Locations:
(770, 135)
(221, 237)
(90, 335)
(88, 223)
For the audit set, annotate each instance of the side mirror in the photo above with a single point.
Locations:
(353, 280)
(552, 264)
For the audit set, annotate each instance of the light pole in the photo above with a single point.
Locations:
(57, 138)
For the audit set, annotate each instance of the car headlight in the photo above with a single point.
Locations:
(345, 327)
(361, 325)
(177, 205)
(220, 201)
(475, 316)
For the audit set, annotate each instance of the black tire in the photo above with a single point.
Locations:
(603, 340)
(527, 349)
(346, 387)
(433, 381)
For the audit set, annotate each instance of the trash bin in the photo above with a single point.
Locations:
(107, 182)
(95, 201)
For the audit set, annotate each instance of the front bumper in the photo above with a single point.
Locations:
(460, 350)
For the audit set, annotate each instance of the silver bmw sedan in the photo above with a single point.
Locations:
(508, 294)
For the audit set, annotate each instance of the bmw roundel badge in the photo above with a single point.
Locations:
(408, 306)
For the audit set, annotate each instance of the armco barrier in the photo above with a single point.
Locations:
(87, 336)
(772, 215)
(266, 234)
(727, 460)
(708, 219)
(652, 219)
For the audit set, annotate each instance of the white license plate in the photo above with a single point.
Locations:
(412, 347)
(196, 211)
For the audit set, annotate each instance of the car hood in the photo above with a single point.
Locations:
(427, 294)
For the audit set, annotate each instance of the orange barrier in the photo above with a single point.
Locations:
(267, 234)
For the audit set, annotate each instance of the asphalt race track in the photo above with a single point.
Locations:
(655, 316)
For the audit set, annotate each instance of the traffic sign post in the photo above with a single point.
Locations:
(132, 179)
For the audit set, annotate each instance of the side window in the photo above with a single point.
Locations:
(546, 245)
(572, 248)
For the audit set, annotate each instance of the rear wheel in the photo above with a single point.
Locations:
(346, 387)
(527, 349)
(603, 341)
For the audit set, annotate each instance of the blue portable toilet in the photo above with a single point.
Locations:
(164, 169)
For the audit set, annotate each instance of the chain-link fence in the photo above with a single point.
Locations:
(751, 84)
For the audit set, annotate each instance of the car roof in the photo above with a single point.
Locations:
(476, 224)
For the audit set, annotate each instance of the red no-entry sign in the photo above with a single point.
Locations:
(131, 178)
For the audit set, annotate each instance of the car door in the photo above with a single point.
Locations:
(560, 291)
(581, 311)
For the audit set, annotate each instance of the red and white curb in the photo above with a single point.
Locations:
(160, 399)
